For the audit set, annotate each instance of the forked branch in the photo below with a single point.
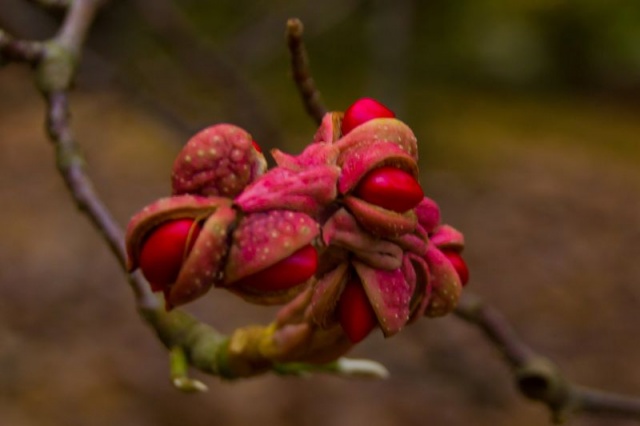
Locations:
(196, 344)
(190, 342)
(536, 376)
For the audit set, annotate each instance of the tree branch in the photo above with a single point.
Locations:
(608, 404)
(77, 22)
(71, 167)
(247, 351)
(55, 74)
(238, 355)
(12, 50)
(536, 376)
(495, 327)
(301, 72)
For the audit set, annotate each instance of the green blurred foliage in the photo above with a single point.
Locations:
(528, 142)
(551, 43)
(201, 62)
(533, 44)
(464, 74)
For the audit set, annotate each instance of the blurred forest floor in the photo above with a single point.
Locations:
(545, 186)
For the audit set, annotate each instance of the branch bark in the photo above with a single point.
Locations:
(55, 73)
(13, 50)
(536, 376)
(191, 343)
(301, 72)
(199, 345)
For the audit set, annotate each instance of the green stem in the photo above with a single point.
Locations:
(179, 368)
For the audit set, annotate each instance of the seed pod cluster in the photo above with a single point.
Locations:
(342, 233)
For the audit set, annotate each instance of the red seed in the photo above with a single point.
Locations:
(290, 272)
(164, 251)
(256, 146)
(363, 110)
(458, 264)
(355, 313)
(390, 188)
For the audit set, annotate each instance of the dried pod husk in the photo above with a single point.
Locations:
(307, 191)
(389, 294)
(219, 160)
(329, 129)
(380, 221)
(428, 214)
(445, 283)
(380, 129)
(161, 211)
(342, 230)
(261, 240)
(304, 343)
(415, 269)
(316, 154)
(201, 268)
(204, 265)
(294, 312)
(446, 237)
(383, 142)
(326, 293)
(360, 159)
(411, 243)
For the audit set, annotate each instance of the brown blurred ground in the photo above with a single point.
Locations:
(551, 235)
(546, 190)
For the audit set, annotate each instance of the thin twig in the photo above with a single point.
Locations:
(536, 376)
(594, 401)
(77, 22)
(71, 167)
(15, 50)
(62, 54)
(246, 104)
(495, 327)
(301, 72)
(190, 342)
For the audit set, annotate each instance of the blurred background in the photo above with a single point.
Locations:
(528, 119)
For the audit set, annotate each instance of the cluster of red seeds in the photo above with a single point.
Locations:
(165, 249)
(393, 189)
